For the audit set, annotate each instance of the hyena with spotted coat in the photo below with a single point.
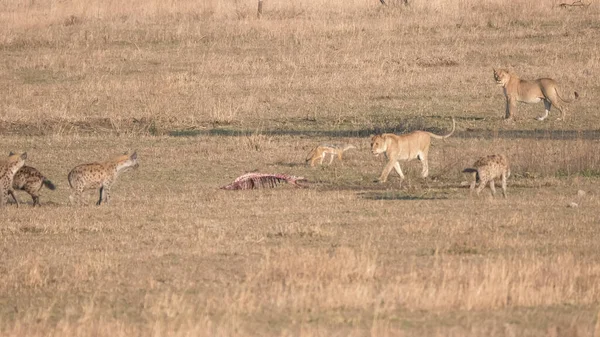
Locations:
(8, 168)
(100, 175)
(488, 168)
(30, 180)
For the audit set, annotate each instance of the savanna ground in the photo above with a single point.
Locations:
(205, 91)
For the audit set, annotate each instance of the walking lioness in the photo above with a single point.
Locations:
(414, 145)
(518, 90)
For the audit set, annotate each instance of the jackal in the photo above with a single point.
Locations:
(323, 149)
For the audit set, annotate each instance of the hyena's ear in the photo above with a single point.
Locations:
(134, 155)
(24, 155)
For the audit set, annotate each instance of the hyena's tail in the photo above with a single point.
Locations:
(70, 178)
(49, 184)
(472, 170)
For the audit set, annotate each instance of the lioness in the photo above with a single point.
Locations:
(518, 90)
(404, 147)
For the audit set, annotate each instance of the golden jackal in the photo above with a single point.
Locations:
(322, 150)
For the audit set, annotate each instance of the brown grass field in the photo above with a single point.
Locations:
(206, 91)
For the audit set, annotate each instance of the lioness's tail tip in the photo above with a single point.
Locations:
(576, 94)
(453, 128)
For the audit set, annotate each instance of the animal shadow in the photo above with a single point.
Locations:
(399, 195)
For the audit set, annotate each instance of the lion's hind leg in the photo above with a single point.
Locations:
(558, 106)
(547, 106)
(562, 109)
(425, 170)
(553, 98)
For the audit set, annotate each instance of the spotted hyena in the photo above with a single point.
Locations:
(99, 175)
(8, 168)
(30, 180)
(488, 168)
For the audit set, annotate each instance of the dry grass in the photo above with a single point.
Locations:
(337, 64)
(205, 91)
(173, 255)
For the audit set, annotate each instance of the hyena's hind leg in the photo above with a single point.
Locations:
(482, 183)
(493, 187)
(104, 195)
(36, 200)
(75, 197)
(99, 202)
(34, 195)
(504, 177)
(473, 183)
(12, 194)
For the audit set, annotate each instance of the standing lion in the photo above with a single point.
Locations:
(518, 90)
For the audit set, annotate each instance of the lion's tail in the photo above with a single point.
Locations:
(575, 94)
(445, 136)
